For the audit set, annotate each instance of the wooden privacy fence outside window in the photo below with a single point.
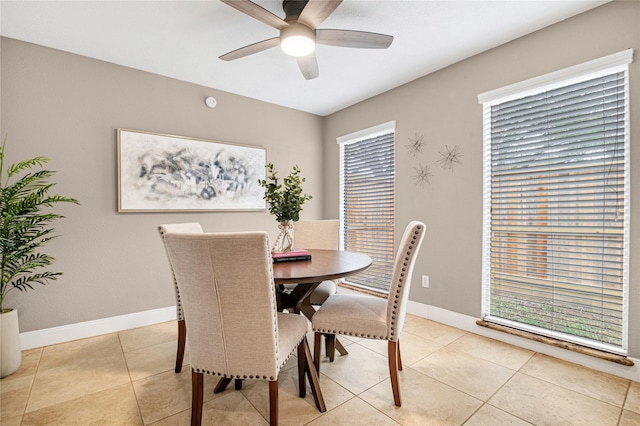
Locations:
(556, 209)
(367, 211)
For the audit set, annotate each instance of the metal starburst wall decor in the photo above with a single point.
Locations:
(450, 156)
(422, 175)
(416, 144)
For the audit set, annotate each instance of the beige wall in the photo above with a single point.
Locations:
(67, 107)
(443, 107)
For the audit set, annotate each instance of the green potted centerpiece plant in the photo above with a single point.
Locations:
(24, 229)
(285, 203)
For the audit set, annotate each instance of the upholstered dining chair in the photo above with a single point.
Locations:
(191, 228)
(320, 235)
(373, 317)
(229, 305)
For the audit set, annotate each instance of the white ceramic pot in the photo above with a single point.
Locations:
(10, 353)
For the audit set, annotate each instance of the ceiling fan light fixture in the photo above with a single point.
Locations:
(298, 46)
(297, 40)
(299, 33)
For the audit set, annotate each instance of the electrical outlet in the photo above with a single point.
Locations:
(425, 281)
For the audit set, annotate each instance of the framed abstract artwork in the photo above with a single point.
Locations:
(168, 173)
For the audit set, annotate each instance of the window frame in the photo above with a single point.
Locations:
(617, 62)
(361, 137)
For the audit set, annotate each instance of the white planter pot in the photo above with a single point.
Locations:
(10, 353)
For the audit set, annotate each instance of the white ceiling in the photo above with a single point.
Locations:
(183, 39)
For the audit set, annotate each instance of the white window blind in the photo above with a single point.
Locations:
(556, 209)
(368, 202)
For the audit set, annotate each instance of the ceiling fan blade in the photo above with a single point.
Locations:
(316, 11)
(257, 12)
(309, 66)
(251, 49)
(359, 39)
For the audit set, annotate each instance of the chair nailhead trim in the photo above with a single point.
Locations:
(349, 333)
(400, 283)
(245, 376)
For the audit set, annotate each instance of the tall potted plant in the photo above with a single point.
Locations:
(285, 203)
(24, 229)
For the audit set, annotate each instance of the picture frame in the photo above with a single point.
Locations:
(168, 173)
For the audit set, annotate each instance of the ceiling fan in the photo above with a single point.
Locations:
(299, 33)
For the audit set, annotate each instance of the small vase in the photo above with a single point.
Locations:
(284, 242)
(10, 353)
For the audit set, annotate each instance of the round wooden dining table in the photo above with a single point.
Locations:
(324, 265)
(308, 274)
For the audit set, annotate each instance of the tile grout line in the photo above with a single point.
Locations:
(624, 402)
(33, 383)
(365, 390)
(484, 403)
(133, 388)
(575, 391)
(371, 387)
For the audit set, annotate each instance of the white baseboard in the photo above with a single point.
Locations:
(468, 323)
(66, 333)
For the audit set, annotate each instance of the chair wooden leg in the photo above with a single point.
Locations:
(340, 348)
(399, 357)
(317, 343)
(326, 345)
(273, 402)
(331, 346)
(222, 385)
(302, 384)
(197, 391)
(393, 371)
(312, 374)
(224, 382)
(281, 298)
(182, 337)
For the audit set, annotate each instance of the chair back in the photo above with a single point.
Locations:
(401, 278)
(316, 234)
(191, 228)
(228, 296)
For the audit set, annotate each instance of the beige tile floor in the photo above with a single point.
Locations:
(451, 377)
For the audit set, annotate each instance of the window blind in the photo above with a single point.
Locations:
(556, 212)
(368, 206)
